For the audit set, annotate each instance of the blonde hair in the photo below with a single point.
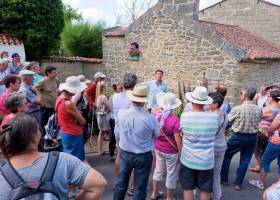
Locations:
(100, 88)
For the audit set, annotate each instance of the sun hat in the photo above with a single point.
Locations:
(199, 96)
(139, 94)
(73, 85)
(99, 75)
(26, 72)
(168, 100)
(83, 79)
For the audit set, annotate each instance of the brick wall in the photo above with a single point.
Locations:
(261, 18)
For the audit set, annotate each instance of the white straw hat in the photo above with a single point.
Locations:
(199, 96)
(139, 94)
(83, 79)
(168, 100)
(73, 85)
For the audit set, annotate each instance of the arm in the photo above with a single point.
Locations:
(76, 98)
(94, 186)
(232, 115)
(178, 140)
(275, 125)
(39, 86)
(71, 108)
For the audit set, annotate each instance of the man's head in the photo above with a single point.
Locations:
(3, 65)
(15, 58)
(50, 72)
(4, 54)
(218, 100)
(222, 90)
(139, 95)
(12, 82)
(159, 75)
(129, 81)
(248, 94)
(27, 76)
(99, 76)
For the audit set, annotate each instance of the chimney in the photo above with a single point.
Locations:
(185, 7)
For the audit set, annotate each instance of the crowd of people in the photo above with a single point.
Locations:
(139, 119)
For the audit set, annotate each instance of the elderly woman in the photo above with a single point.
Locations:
(19, 144)
(167, 145)
(70, 118)
(16, 103)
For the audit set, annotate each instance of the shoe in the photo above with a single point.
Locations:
(236, 187)
(130, 192)
(112, 158)
(224, 183)
(158, 196)
(257, 184)
(255, 170)
(106, 138)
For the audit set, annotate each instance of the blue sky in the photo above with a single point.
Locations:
(106, 10)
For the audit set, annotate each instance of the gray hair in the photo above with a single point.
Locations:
(14, 101)
(250, 92)
(129, 80)
(35, 64)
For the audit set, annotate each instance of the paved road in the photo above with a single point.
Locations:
(103, 165)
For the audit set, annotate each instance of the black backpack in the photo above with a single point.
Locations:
(35, 190)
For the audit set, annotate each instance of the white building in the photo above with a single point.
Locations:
(12, 45)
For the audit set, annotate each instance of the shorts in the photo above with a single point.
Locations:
(261, 144)
(191, 179)
(272, 152)
(103, 122)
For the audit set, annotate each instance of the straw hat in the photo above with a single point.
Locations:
(199, 96)
(26, 72)
(83, 79)
(139, 94)
(73, 85)
(168, 100)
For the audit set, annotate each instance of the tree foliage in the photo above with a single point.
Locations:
(71, 14)
(83, 39)
(37, 23)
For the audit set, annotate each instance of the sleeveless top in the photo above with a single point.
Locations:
(68, 124)
(100, 106)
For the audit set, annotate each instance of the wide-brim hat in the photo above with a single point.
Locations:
(168, 100)
(83, 79)
(139, 94)
(26, 72)
(73, 85)
(199, 96)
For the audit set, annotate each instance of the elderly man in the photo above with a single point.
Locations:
(245, 119)
(33, 98)
(155, 86)
(15, 66)
(137, 131)
(3, 73)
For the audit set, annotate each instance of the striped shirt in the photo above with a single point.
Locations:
(199, 130)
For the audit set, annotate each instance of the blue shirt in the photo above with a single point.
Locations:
(30, 96)
(137, 130)
(2, 76)
(154, 89)
(14, 69)
(37, 78)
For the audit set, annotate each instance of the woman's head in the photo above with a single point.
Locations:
(273, 96)
(222, 90)
(20, 135)
(16, 103)
(218, 100)
(4, 54)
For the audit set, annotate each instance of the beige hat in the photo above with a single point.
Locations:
(168, 100)
(139, 94)
(83, 79)
(26, 72)
(73, 85)
(199, 96)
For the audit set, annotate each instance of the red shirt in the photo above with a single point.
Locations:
(68, 124)
(3, 98)
(91, 91)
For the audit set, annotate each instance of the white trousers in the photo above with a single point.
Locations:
(217, 190)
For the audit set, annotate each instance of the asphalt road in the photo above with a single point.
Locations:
(103, 165)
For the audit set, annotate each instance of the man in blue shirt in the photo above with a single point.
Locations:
(15, 66)
(155, 86)
(137, 131)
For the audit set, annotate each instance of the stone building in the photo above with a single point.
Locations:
(173, 39)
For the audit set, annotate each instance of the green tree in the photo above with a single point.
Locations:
(83, 39)
(37, 23)
(71, 14)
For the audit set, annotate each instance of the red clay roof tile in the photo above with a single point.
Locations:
(73, 59)
(117, 31)
(8, 39)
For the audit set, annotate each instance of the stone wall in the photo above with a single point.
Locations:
(261, 18)
(170, 44)
(66, 69)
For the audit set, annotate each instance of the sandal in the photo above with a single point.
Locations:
(257, 184)
(101, 154)
(158, 196)
(255, 170)
(130, 192)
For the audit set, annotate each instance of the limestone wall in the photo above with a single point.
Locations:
(66, 69)
(261, 18)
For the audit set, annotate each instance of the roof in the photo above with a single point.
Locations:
(116, 31)
(9, 40)
(73, 59)
(256, 48)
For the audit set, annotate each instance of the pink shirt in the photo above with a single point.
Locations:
(171, 126)
(3, 98)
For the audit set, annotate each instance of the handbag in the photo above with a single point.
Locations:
(169, 141)
(221, 125)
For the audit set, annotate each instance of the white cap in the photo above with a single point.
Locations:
(26, 72)
(99, 75)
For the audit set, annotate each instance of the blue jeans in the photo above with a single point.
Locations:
(272, 152)
(245, 144)
(142, 165)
